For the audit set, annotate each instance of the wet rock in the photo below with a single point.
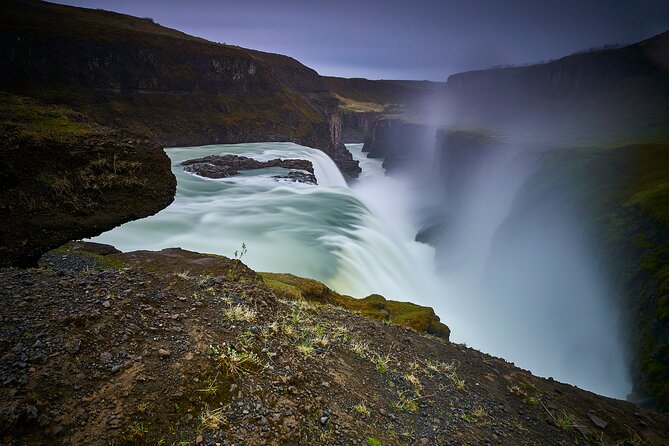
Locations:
(164, 353)
(224, 166)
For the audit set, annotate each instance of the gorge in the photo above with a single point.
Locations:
(237, 204)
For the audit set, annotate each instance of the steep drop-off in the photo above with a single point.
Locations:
(622, 196)
(63, 177)
(595, 126)
(176, 347)
(130, 73)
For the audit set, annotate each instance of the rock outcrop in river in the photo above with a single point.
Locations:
(224, 166)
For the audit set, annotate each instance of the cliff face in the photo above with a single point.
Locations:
(621, 196)
(401, 144)
(178, 90)
(64, 178)
(590, 97)
(357, 125)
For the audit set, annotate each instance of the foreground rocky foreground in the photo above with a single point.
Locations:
(175, 347)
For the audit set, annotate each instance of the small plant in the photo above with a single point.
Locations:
(141, 407)
(235, 362)
(565, 420)
(184, 275)
(405, 402)
(437, 366)
(381, 363)
(371, 441)
(413, 380)
(212, 419)
(288, 329)
(306, 348)
(136, 432)
(240, 312)
(296, 317)
(322, 340)
(361, 409)
(240, 253)
(522, 390)
(458, 383)
(211, 387)
(360, 348)
(479, 412)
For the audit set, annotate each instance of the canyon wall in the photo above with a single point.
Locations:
(130, 73)
(595, 127)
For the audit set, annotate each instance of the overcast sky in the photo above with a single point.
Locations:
(394, 39)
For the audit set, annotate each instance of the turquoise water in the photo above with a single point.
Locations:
(339, 235)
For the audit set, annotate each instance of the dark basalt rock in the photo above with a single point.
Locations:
(298, 177)
(56, 191)
(224, 166)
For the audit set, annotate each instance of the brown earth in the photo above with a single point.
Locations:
(175, 347)
(63, 177)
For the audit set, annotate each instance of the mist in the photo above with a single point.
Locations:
(519, 278)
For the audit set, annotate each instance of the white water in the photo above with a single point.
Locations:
(355, 240)
(360, 240)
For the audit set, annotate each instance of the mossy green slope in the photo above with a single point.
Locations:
(406, 314)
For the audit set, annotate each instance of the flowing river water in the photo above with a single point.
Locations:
(354, 239)
(358, 240)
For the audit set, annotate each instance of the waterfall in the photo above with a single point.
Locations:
(352, 239)
(359, 240)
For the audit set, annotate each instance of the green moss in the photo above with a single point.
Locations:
(406, 314)
(40, 122)
(371, 441)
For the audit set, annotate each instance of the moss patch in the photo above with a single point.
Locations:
(406, 314)
(31, 119)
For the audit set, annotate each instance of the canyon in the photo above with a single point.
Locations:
(541, 191)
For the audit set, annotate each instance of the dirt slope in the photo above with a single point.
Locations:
(175, 347)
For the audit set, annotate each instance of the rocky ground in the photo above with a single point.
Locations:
(175, 347)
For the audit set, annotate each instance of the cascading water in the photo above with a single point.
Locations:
(352, 239)
(521, 279)
(360, 240)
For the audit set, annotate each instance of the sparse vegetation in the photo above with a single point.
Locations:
(235, 362)
(406, 402)
(361, 409)
(458, 384)
(565, 420)
(212, 419)
(381, 362)
(240, 312)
